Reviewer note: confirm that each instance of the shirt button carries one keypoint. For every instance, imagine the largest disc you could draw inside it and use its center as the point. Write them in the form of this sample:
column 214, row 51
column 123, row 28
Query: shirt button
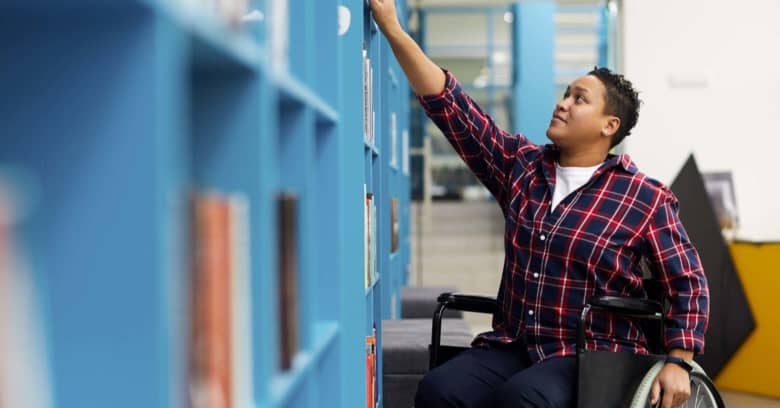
column 543, row 237
column 536, row 274
column 530, row 313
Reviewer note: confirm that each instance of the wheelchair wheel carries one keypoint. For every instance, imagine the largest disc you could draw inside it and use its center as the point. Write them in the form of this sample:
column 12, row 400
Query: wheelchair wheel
column 703, row 392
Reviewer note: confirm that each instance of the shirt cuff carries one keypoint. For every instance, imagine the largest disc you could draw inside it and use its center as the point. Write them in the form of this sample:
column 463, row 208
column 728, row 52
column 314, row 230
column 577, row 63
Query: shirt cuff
column 684, row 339
column 444, row 98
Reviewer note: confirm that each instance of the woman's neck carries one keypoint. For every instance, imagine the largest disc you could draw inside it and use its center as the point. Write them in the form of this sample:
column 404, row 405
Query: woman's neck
column 587, row 158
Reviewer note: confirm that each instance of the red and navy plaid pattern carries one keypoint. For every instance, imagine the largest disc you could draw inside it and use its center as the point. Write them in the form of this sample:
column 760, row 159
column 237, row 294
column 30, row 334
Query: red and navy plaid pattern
column 591, row 244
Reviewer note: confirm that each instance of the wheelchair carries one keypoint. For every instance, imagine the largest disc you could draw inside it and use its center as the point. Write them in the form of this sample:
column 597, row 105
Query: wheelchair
column 604, row 379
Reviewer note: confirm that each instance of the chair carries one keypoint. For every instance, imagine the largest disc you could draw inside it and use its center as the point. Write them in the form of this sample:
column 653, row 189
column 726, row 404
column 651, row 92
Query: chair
column 600, row 373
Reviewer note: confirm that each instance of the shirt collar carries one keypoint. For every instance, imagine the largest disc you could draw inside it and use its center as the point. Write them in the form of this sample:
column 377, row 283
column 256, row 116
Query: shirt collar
column 551, row 153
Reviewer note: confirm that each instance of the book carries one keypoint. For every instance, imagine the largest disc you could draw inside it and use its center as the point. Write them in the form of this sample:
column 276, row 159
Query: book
column 288, row 278
column 366, row 238
column 220, row 298
column 372, row 118
column 371, row 241
column 394, row 224
column 241, row 300
column 393, row 140
column 366, row 98
column 211, row 375
column 371, row 364
column 279, row 34
column 405, row 152
column 373, row 247
column 369, row 113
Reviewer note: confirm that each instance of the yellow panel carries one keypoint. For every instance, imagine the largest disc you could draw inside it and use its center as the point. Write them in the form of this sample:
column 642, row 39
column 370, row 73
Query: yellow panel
column 755, row 368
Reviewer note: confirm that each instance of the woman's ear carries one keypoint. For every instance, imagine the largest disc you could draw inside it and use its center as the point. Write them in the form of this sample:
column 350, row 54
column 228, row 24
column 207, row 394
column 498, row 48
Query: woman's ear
column 610, row 127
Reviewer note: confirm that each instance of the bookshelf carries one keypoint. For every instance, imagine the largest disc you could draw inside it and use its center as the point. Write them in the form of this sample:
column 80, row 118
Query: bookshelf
column 118, row 113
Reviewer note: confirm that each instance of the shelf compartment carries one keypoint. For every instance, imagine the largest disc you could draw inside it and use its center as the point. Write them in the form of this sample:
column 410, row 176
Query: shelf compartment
column 291, row 89
column 284, row 385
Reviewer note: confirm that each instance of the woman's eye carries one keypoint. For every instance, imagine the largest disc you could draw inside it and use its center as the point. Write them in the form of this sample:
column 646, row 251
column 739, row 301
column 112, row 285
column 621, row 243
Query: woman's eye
column 580, row 99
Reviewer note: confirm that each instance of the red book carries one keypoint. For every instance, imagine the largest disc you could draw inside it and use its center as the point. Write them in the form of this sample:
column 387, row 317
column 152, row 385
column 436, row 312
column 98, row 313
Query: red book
column 211, row 370
column 370, row 371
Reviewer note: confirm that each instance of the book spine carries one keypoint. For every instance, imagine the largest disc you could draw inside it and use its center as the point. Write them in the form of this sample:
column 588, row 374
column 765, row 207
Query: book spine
column 241, row 301
column 288, row 279
column 211, row 338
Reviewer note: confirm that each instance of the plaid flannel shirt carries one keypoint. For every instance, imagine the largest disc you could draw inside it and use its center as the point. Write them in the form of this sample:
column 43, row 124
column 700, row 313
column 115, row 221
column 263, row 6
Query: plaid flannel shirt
column 591, row 244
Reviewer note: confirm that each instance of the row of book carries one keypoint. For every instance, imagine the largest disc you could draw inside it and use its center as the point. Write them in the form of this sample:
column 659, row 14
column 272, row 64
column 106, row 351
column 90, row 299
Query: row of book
column 220, row 341
column 369, row 121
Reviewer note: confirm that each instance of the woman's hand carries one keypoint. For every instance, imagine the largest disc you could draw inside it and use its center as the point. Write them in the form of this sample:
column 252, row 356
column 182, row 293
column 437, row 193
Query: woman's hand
column 676, row 385
column 384, row 14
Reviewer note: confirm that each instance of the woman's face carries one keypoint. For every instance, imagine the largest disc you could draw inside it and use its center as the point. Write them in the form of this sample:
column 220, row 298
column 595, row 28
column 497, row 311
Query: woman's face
column 579, row 119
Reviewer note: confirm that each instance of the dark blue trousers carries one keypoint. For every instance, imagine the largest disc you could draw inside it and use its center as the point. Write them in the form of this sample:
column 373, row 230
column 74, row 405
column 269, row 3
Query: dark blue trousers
column 499, row 377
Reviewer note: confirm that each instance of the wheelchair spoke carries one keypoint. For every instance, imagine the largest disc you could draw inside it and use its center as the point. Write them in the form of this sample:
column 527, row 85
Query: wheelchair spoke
column 699, row 400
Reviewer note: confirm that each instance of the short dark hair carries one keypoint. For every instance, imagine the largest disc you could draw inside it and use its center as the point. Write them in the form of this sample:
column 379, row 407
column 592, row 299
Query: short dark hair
column 621, row 100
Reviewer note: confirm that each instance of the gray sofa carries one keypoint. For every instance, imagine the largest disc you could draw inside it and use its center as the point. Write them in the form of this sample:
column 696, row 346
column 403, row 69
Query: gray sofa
column 405, row 343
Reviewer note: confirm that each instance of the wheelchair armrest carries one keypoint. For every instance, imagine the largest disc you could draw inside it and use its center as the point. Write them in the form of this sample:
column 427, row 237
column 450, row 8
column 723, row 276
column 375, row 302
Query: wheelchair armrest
column 468, row 302
column 625, row 306
column 458, row 301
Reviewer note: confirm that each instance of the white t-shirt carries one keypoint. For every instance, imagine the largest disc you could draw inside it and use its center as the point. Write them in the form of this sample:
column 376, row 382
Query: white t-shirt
column 568, row 179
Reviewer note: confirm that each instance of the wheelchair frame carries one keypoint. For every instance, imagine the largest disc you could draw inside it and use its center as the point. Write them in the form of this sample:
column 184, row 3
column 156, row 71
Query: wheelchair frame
column 628, row 370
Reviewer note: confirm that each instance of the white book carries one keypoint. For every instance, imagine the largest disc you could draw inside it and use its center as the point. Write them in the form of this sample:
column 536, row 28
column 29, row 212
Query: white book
column 366, row 107
column 371, row 136
column 366, row 240
column 374, row 269
column 279, row 34
column 405, row 151
column 393, row 140
column 241, row 316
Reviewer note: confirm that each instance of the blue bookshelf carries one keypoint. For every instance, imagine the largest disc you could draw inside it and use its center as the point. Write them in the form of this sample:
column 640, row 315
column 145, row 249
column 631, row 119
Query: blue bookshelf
column 115, row 112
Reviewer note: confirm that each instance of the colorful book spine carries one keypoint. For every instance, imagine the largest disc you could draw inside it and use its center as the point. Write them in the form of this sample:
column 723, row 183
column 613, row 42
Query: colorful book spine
column 371, row 363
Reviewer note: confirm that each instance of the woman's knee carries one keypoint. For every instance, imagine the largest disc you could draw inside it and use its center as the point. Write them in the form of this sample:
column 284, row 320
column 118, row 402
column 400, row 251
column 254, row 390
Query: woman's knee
column 523, row 395
column 527, row 395
column 432, row 391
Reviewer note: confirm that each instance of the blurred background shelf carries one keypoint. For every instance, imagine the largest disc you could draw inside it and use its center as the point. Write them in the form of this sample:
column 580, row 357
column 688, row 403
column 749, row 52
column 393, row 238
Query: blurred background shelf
column 121, row 115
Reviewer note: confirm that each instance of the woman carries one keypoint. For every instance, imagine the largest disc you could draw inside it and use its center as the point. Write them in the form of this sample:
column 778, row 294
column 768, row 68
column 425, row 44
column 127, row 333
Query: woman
column 578, row 222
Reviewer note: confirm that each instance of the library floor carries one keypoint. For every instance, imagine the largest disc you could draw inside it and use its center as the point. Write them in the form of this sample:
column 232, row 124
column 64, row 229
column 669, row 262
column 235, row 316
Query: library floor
column 461, row 244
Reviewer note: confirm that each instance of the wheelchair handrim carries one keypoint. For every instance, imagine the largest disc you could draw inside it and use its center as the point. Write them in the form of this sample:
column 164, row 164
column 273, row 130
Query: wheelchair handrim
column 702, row 393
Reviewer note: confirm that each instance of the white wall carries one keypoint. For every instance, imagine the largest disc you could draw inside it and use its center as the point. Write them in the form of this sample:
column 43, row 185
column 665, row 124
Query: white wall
column 709, row 74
